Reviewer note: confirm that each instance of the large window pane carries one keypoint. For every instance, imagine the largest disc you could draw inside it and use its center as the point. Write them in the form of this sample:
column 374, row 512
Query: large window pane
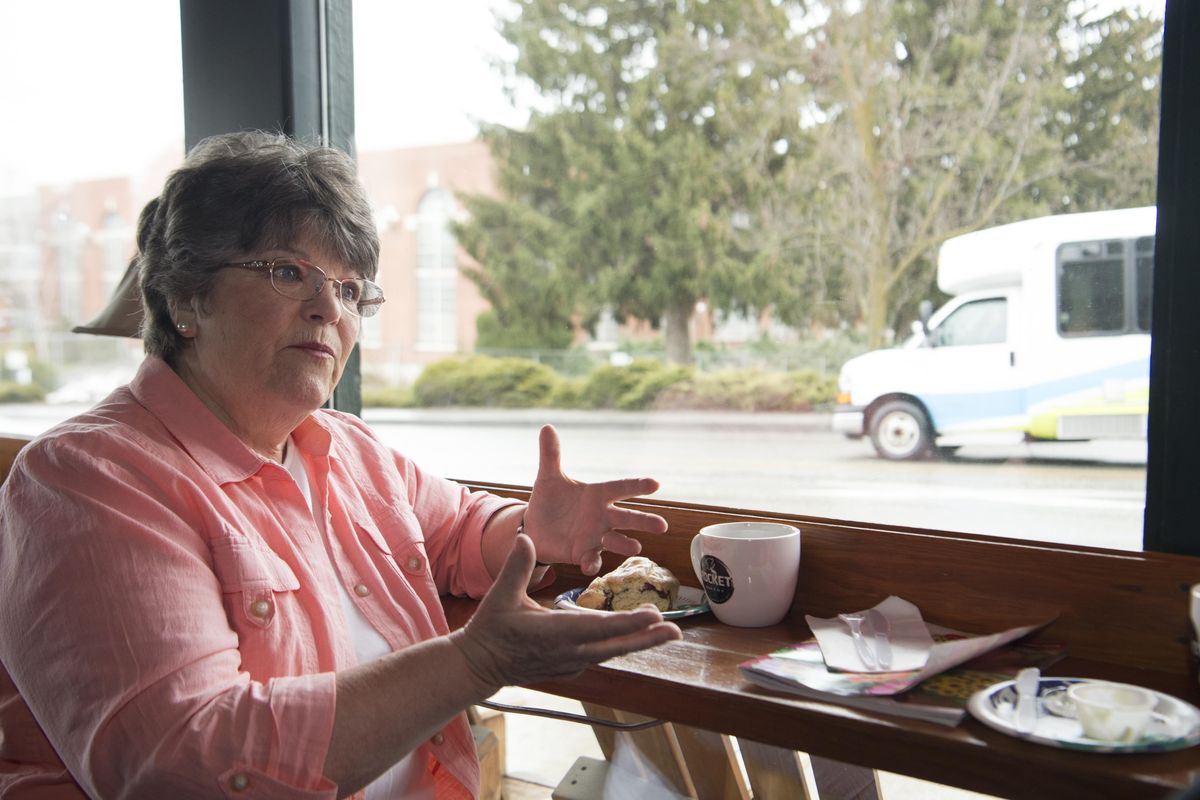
column 685, row 220
column 93, row 122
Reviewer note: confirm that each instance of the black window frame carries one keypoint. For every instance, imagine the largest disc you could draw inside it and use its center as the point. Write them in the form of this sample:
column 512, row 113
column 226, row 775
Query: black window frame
column 288, row 64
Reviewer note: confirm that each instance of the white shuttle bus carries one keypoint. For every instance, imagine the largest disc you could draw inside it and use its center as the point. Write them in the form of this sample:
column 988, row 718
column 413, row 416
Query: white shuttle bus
column 1046, row 337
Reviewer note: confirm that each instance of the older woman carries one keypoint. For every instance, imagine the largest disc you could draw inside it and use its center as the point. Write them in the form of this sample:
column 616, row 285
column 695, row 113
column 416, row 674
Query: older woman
column 208, row 586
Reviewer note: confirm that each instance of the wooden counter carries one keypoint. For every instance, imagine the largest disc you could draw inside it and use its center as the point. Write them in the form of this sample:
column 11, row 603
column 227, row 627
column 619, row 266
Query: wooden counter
column 1122, row 615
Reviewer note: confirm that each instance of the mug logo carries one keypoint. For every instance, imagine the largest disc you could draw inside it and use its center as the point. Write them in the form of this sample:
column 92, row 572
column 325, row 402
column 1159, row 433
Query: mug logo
column 718, row 585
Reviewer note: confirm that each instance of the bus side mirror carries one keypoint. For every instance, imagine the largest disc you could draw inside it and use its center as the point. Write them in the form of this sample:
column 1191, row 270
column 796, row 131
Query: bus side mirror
column 921, row 326
column 925, row 311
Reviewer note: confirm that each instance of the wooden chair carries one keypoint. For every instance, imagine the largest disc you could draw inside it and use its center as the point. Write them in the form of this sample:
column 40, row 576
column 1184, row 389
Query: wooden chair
column 9, row 447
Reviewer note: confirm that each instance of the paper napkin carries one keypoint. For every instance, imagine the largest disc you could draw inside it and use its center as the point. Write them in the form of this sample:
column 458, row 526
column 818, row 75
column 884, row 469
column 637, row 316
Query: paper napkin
column 909, row 637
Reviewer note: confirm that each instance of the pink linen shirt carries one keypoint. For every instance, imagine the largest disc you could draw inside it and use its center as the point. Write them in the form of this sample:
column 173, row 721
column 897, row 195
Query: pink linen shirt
column 169, row 612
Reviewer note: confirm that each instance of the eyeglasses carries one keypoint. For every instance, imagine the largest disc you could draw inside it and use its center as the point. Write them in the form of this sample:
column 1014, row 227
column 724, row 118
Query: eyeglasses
column 302, row 280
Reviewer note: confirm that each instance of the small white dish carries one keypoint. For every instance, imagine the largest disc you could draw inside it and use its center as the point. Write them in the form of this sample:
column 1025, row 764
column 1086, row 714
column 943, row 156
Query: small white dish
column 1112, row 712
column 688, row 602
column 1174, row 725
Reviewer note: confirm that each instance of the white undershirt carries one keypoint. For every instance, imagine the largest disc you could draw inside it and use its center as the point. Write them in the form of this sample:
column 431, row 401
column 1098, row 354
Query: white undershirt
column 408, row 778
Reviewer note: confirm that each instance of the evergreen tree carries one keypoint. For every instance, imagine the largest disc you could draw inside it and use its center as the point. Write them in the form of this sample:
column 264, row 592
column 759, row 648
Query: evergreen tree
column 807, row 157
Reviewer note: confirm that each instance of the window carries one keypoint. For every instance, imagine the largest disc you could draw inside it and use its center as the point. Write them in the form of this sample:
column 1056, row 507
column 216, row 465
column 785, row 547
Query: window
column 1105, row 287
column 437, row 274
column 89, row 139
column 602, row 214
column 980, row 322
column 1144, row 277
column 781, row 466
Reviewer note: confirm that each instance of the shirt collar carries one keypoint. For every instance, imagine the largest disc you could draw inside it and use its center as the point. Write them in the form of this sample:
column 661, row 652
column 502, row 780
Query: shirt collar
column 220, row 453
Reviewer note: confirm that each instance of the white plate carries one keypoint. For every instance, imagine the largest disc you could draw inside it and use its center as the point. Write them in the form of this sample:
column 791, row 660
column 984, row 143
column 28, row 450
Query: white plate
column 1176, row 724
column 688, row 602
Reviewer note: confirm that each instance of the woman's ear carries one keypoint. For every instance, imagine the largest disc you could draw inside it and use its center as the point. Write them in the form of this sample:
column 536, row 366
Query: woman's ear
column 183, row 318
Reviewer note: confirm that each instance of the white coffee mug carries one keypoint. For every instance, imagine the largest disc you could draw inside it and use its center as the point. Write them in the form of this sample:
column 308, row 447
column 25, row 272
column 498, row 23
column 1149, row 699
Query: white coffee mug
column 748, row 570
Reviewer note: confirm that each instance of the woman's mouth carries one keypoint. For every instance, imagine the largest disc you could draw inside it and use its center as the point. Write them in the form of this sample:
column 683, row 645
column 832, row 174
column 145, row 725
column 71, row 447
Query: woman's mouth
column 317, row 349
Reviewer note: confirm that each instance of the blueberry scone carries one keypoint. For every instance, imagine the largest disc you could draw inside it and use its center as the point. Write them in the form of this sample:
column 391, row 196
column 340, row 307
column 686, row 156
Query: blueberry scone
column 636, row 582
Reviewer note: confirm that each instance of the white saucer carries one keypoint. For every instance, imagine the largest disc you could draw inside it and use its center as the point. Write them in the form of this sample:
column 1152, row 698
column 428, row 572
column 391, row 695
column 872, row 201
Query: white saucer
column 688, row 602
column 1176, row 724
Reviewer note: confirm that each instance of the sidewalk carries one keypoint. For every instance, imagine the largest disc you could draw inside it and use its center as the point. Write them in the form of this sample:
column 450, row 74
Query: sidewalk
column 33, row 418
column 561, row 417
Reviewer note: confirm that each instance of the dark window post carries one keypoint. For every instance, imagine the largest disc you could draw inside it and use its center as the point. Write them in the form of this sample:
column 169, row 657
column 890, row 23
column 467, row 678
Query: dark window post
column 284, row 65
column 1173, row 470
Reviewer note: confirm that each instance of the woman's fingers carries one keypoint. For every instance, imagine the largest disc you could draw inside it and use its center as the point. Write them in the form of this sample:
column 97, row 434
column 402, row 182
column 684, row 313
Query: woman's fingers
column 620, row 544
column 659, row 633
column 590, row 562
column 581, row 638
column 511, row 583
column 630, row 520
column 549, row 453
column 624, row 488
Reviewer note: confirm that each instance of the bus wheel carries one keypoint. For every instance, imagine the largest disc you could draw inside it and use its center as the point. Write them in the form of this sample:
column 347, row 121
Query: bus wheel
column 900, row 431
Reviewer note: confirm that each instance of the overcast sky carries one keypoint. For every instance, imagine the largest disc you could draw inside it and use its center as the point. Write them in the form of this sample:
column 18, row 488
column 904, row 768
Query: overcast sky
column 92, row 89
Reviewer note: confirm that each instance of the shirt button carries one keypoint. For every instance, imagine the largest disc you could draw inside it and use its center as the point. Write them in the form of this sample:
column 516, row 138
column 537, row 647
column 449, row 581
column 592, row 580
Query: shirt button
column 361, row 589
column 438, row 738
column 239, row 782
column 259, row 608
column 413, row 564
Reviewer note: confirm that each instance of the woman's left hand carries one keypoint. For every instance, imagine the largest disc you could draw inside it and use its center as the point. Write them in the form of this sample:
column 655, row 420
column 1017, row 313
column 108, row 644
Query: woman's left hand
column 573, row 522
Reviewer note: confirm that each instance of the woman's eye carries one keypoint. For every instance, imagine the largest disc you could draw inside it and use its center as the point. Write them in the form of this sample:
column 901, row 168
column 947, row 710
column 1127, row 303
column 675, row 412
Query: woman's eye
column 289, row 273
column 351, row 291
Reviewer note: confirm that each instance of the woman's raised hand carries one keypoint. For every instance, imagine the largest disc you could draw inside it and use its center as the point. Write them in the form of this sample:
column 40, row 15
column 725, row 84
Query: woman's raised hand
column 572, row 522
column 511, row 640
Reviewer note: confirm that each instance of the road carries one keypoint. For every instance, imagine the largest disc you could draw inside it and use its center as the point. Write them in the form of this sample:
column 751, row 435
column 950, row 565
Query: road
column 1074, row 493
column 1090, row 494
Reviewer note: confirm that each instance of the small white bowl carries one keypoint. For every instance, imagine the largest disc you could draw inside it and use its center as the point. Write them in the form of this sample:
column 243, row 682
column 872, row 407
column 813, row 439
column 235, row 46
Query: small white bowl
column 1112, row 712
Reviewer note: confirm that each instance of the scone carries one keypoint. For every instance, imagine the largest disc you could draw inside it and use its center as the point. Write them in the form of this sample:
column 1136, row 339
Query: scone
column 636, row 582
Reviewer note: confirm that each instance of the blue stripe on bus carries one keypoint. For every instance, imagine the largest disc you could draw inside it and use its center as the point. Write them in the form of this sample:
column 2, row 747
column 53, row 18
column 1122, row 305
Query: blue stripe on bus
column 955, row 409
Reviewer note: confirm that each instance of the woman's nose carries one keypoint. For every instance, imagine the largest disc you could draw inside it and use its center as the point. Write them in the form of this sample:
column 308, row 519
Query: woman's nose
column 326, row 306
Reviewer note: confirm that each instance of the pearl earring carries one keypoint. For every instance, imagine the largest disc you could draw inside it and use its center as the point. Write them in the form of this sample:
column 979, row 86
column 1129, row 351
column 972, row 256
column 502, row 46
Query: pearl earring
column 183, row 326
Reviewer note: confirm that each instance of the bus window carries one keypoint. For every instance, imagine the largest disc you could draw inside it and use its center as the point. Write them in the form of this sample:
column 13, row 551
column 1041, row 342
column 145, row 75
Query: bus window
column 978, row 322
column 1144, row 275
column 1091, row 289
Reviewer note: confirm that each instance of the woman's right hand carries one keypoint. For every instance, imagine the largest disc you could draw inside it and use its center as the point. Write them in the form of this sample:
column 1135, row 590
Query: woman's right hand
column 511, row 640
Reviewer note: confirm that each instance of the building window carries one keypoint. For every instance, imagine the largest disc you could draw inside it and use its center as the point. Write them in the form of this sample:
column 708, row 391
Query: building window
column 437, row 274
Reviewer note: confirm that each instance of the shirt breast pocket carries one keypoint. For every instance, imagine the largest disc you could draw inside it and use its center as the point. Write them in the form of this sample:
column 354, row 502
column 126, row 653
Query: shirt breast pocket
column 398, row 536
column 251, row 575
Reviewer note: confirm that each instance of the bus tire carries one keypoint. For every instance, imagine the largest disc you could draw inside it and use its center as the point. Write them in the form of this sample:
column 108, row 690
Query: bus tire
column 900, row 431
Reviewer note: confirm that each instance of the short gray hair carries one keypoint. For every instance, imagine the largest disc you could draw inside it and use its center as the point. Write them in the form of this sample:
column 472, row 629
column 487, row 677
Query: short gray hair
column 239, row 193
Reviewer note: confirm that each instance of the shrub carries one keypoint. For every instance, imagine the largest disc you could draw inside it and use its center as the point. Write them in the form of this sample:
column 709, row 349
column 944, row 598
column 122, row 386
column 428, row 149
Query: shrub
column 480, row 381
column 21, row 393
column 645, row 383
column 567, row 394
column 606, row 385
column 645, row 392
column 388, row 397
column 813, row 389
column 750, row 390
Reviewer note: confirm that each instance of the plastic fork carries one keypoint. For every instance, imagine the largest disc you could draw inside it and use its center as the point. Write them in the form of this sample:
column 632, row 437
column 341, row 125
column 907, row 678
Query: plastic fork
column 879, row 625
column 854, row 623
